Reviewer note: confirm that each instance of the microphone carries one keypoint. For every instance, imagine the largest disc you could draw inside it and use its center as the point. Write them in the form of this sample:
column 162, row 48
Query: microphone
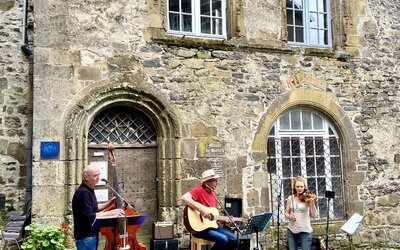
column 105, row 180
column 207, row 186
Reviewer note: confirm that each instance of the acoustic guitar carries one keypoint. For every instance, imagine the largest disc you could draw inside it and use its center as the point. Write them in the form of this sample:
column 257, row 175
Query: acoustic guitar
column 196, row 223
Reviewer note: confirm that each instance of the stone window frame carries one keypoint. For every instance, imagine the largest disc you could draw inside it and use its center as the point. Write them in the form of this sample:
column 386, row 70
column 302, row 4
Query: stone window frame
column 345, row 15
column 158, row 19
column 196, row 23
column 350, row 148
column 325, row 135
column 306, row 14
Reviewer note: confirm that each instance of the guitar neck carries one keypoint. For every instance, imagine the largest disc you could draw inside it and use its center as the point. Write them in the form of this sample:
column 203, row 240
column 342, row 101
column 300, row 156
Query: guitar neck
column 224, row 218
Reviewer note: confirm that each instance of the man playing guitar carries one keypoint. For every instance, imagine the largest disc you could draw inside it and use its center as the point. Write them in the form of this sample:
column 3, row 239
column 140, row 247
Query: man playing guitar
column 202, row 199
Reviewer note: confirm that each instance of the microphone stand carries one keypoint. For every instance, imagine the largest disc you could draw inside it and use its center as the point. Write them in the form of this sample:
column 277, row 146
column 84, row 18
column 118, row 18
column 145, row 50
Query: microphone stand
column 126, row 205
column 223, row 208
column 279, row 212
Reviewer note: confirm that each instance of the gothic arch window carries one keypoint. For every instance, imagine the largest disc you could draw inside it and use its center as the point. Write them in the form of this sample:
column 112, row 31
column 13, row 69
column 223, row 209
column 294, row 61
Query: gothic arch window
column 122, row 125
column 303, row 142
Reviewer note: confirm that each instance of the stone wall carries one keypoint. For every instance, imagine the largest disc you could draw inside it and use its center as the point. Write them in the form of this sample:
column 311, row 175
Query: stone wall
column 209, row 98
column 14, row 76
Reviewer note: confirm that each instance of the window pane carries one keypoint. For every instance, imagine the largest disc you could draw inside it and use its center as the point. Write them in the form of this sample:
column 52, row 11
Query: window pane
column 319, row 146
column 299, row 35
column 271, row 146
column 286, row 168
column 323, row 37
column 285, row 147
column 323, row 21
column 174, row 5
column 205, row 7
column 310, row 166
column 335, row 165
column 289, row 16
column 298, row 4
column 296, row 166
column 289, row 3
column 174, row 22
column 312, row 5
column 217, row 26
column 333, row 146
column 336, row 186
column 313, row 36
column 298, row 15
column 186, row 6
column 312, row 184
column 217, row 8
column 306, row 117
column 320, row 161
column 295, row 120
column 322, row 6
column 272, row 131
column 313, row 20
column 317, row 122
column 337, row 207
column 187, row 23
column 291, row 33
column 309, row 145
column 295, row 146
column 205, row 25
column 284, row 121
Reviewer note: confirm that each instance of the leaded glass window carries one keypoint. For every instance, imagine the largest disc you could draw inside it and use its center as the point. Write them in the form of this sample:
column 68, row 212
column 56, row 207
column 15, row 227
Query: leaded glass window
column 122, row 125
column 303, row 142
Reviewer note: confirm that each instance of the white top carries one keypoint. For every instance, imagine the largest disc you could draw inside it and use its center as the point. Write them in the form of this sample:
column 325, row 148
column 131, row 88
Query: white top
column 302, row 212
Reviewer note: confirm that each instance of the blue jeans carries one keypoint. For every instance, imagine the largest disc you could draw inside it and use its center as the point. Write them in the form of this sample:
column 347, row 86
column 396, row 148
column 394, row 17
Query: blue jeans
column 88, row 243
column 305, row 240
column 223, row 238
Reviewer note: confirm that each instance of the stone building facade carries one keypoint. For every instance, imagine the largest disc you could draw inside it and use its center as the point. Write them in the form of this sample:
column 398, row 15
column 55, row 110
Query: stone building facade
column 211, row 101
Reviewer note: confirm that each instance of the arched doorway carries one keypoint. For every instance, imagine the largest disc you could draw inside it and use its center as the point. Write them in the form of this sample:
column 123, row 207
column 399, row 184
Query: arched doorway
column 135, row 140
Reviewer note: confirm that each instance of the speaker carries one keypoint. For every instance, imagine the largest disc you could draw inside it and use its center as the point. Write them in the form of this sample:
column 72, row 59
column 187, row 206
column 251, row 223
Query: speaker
column 244, row 244
column 166, row 244
column 234, row 206
column 163, row 230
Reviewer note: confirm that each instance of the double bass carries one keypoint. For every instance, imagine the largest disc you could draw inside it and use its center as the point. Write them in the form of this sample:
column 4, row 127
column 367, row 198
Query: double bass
column 122, row 236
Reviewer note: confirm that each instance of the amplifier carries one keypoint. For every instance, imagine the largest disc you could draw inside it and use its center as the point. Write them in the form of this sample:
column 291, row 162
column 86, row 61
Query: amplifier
column 166, row 244
column 163, row 230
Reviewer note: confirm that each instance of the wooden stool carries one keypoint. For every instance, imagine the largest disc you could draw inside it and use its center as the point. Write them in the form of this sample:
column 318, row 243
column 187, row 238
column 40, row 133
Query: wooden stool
column 200, row 244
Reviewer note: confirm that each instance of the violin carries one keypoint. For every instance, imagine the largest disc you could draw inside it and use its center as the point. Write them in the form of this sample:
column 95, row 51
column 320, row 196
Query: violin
column 307, row 195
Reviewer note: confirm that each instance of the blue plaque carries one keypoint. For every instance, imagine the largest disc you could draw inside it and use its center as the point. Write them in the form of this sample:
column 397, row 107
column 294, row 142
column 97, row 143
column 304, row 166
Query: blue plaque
column 49, row 150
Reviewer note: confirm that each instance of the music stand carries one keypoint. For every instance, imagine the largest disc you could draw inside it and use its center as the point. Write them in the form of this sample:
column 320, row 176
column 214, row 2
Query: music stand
column 256, row 224
column 351, row 226
column 114, row 221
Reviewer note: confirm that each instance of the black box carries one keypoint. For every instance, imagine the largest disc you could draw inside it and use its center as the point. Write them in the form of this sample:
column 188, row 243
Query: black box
column 170, row 244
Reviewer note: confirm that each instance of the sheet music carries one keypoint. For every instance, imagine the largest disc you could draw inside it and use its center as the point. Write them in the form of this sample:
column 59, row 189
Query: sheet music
column 352, row 224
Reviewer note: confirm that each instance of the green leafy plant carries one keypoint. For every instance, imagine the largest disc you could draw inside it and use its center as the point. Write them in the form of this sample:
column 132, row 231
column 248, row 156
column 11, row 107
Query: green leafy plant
column 46, row 237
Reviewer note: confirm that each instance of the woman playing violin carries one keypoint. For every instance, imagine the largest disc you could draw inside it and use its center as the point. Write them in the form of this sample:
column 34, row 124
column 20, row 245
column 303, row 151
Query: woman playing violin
column 299, row 206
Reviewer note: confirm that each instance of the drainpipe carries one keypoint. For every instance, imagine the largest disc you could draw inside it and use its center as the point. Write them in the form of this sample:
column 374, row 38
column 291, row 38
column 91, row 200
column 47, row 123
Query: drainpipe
column 29, row 53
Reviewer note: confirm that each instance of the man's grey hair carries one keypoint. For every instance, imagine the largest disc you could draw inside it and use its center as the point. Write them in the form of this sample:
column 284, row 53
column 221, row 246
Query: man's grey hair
column 87, row 169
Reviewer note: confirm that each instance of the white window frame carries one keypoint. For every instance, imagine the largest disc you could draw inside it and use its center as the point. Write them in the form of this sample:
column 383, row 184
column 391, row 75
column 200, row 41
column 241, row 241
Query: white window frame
column 196, row 21
column 307, row 29
column 301, row 134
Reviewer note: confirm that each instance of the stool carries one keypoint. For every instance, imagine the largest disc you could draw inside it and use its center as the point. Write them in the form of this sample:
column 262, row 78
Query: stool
column 200, row 244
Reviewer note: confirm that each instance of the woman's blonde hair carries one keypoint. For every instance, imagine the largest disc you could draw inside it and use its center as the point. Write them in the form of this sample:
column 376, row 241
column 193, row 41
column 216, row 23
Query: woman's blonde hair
column 296, row 179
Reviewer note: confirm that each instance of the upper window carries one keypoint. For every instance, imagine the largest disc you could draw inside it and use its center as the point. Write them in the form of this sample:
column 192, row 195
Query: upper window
column 303, row 142
column 309, row 22
column 204, row 18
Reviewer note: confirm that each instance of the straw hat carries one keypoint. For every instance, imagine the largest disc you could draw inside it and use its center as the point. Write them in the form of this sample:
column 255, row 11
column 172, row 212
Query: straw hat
column 208, row 175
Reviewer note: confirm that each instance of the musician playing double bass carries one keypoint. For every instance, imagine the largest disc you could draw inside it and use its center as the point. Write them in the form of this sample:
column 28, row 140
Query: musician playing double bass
column 86, row 209
column 202, row 197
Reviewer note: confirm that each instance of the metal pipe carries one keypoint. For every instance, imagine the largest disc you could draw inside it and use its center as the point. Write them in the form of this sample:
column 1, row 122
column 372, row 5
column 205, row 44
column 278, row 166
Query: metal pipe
column 29, row 53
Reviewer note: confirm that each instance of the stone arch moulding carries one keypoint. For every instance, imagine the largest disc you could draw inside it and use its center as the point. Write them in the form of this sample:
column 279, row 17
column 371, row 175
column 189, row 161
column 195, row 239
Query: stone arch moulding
column 165, row 119
column 320, row 101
